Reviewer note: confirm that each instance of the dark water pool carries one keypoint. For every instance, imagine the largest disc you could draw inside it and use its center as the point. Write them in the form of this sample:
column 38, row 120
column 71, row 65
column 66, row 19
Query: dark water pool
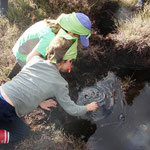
column 132, row 134
column 112, row 133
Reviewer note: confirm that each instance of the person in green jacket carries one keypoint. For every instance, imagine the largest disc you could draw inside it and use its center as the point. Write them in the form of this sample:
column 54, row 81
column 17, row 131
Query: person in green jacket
column 35, row 40
column 38, row 82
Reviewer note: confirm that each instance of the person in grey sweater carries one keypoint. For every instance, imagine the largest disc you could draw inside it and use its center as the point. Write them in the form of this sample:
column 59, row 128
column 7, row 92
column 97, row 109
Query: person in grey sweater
column 37, row 82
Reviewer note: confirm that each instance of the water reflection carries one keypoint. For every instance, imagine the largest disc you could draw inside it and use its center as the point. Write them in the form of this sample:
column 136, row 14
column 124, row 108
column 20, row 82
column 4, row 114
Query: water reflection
column 132, row 134
column 107, row 92
column 114, row 131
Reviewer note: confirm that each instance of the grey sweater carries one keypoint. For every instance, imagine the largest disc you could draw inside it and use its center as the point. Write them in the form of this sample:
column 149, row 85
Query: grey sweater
column 40, row 80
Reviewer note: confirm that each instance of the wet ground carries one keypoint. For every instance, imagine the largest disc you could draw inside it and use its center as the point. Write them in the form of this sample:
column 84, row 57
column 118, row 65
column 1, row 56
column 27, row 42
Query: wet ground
column 131, row 133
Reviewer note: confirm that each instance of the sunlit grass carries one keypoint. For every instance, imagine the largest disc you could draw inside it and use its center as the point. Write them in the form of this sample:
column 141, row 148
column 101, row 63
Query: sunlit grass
column 136, row 29
column 127, row 3
column 8, row 36
column 22, row 14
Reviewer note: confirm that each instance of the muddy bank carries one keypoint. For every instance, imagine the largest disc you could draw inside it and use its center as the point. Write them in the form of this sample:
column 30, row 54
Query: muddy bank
column 105, row 47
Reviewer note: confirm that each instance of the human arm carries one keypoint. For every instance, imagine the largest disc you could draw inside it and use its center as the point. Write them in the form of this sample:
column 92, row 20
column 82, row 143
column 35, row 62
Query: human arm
column 48, row 103
column 41, row 47
column 69, row 106
column 32, row 54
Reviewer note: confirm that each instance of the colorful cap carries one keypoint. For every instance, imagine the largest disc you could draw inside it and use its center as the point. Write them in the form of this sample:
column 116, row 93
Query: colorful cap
column 85, row 21
column 77, row 23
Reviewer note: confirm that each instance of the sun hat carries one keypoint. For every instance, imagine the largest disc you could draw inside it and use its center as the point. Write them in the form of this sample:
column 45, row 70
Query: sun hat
column 85, row 21
column 77, row 23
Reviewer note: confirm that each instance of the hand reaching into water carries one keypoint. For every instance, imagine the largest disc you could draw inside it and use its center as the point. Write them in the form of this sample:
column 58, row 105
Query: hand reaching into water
column 48, row 103
column 92, row 106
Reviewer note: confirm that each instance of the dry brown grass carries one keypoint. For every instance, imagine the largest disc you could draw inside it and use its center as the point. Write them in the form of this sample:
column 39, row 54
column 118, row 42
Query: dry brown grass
column 127, row 3
column 8, row 36
column 21, row 14
column 49, row 138
column 136, row 29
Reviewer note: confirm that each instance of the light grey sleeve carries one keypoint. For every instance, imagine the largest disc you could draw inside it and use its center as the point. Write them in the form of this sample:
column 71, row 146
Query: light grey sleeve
column 63, row 98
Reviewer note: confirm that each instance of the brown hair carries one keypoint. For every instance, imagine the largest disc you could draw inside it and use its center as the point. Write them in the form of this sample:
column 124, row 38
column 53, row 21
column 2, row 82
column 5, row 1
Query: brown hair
column 58, row 47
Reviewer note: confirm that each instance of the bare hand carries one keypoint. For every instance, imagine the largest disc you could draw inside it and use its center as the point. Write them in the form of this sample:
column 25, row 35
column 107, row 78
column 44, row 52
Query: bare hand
column 92, row 106
column 48, row 103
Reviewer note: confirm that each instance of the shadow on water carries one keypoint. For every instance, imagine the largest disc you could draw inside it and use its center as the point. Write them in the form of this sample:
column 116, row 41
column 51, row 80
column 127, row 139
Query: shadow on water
column 133, row 134
column 112, row 133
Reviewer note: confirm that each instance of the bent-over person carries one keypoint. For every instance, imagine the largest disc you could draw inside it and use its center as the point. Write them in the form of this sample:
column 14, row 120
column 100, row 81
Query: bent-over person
column 34, row 85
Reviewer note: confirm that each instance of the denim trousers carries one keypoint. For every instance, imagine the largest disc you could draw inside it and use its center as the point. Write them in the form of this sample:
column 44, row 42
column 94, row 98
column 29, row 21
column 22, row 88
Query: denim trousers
column 11, row 122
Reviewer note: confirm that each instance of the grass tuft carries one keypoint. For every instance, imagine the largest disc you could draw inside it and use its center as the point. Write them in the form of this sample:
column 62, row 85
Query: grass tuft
column 135, row 29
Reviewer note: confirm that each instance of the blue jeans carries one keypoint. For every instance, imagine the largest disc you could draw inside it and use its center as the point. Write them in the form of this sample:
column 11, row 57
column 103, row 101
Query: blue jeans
column 11, row 122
